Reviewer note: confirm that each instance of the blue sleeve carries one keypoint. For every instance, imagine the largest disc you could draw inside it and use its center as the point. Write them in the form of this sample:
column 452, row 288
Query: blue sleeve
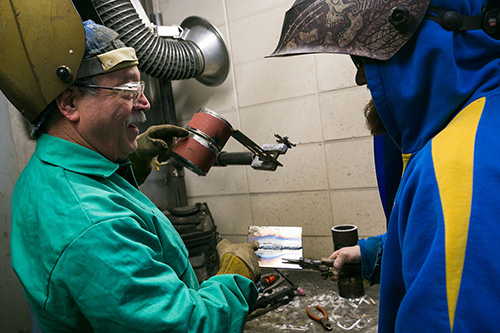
column 371, row 256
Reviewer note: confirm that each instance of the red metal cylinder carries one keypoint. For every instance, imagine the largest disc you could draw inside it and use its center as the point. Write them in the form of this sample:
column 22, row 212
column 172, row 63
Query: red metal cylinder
column 214, row 127
column 208, row 133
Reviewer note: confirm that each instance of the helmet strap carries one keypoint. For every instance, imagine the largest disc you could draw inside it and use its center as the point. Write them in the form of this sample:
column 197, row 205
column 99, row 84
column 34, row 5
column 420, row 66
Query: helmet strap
column 450, row 20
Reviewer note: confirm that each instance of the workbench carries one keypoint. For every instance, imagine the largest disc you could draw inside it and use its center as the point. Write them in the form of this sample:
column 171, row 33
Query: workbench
column 354, row 315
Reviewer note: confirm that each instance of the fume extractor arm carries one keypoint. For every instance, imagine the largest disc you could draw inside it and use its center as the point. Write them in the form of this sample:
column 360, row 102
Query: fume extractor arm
column 195, row 49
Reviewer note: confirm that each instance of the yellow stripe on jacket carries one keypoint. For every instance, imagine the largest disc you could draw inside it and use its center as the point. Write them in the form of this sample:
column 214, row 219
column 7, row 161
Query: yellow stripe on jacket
column 455, row 188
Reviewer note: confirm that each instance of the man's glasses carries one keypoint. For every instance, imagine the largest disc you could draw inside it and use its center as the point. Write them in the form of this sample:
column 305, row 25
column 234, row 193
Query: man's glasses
column 131, row 90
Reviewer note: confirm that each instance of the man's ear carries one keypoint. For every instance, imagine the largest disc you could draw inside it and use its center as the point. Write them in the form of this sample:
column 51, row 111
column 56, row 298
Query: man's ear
column 67, row 104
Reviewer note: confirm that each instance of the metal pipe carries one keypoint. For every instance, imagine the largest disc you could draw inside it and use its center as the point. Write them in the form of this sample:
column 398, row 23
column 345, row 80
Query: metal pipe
column 237, row 158
column 350, row 281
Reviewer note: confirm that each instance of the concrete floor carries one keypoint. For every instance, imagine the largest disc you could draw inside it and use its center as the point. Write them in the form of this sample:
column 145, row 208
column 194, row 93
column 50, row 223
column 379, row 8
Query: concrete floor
column 355, row 315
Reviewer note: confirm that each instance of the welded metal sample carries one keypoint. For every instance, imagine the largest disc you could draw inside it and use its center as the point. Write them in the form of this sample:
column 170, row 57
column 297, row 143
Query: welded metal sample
column 276, row 243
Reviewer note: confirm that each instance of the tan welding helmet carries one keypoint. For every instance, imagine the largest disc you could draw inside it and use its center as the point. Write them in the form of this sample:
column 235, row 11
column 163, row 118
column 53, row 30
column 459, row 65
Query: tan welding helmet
column 42, row 45
column 370, row 28
column 45, row 47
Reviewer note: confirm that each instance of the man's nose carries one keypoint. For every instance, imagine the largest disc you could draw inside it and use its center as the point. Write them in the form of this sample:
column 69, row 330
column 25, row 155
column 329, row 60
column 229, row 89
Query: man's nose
column 142, row 103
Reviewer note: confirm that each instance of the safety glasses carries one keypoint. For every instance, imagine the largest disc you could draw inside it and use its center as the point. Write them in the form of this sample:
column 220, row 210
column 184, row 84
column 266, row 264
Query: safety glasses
column 130, row 90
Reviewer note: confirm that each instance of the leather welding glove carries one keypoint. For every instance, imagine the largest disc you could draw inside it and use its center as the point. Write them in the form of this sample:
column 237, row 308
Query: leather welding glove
column 155, row 141
column 239, row 258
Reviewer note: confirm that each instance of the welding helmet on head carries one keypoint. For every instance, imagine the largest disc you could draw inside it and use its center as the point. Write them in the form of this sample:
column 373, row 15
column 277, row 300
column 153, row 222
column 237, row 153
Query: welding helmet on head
column 43, row 44
column 370, row 28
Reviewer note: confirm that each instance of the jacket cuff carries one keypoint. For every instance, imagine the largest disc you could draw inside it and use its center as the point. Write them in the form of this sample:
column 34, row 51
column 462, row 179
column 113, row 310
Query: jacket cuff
column 371, row 257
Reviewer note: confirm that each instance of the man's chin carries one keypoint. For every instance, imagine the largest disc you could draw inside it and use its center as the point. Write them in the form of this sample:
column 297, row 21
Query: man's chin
column 373, row 121
column 131, row 145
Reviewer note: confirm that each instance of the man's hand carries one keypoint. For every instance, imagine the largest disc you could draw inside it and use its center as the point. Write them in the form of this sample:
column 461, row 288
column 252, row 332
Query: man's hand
column 158, row 141
column 239, row 259
column 155, row 141
column 345, row 255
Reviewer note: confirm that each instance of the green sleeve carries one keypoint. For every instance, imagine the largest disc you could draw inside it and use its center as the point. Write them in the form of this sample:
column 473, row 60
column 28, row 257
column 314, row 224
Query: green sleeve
column 122, row 278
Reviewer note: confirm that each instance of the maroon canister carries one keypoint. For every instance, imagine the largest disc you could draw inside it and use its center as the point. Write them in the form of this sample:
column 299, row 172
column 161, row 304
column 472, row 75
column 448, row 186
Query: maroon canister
column 208, row 133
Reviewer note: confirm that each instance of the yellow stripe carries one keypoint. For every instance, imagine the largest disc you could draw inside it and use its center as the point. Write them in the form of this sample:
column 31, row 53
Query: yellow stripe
column 455, row 188
column 406, row 158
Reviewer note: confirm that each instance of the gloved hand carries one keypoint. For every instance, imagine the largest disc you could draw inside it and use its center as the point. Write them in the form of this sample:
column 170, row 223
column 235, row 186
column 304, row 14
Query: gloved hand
column 155, row 141
column 239, row 259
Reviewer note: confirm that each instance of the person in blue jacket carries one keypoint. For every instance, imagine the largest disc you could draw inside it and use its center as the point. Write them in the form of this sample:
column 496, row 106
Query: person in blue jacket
column 433, row 71
column 92, row 252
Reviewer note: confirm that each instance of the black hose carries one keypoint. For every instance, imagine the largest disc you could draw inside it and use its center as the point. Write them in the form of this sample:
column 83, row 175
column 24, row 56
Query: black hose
column 160, row 58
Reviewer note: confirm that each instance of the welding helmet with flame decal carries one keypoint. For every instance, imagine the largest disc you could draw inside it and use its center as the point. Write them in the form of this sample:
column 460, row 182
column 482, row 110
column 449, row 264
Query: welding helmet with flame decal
column 45, row 48
column 366, row 28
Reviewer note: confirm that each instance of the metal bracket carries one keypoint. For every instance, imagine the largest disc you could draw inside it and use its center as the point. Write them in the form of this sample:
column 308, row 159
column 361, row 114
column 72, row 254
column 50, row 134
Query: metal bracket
column 265, row 157
column 169, row 31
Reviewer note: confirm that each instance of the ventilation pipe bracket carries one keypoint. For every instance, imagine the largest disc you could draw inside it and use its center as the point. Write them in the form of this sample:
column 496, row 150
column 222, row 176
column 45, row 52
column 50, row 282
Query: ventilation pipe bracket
column 169, row 31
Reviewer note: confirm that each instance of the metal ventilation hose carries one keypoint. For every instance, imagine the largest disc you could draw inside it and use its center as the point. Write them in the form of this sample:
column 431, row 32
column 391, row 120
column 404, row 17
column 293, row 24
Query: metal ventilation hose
column 160, row 58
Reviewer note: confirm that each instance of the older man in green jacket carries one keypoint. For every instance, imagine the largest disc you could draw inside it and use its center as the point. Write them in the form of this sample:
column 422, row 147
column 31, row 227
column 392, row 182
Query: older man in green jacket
column 91, row 251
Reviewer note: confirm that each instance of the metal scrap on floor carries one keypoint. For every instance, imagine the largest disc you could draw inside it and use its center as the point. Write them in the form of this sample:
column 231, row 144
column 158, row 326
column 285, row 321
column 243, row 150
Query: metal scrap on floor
column 289, row 315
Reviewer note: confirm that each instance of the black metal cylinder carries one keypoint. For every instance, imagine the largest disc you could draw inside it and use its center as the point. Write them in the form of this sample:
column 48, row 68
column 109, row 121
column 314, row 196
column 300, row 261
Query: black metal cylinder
column 350, row 281
column 235, row 158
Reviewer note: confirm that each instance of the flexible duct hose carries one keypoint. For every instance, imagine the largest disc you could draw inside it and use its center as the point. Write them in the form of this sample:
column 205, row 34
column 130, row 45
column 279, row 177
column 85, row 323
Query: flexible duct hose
column 160, row 58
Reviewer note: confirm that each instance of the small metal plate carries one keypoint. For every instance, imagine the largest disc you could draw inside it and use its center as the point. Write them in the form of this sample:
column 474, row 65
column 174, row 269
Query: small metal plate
column 276, row 243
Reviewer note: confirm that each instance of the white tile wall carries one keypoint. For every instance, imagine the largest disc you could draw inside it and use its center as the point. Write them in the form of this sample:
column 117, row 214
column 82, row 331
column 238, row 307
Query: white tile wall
column 280, row 209
column 253, row 37
column 238, row 9
column 350, row 164
column 361, row 207
column 191, row 95
column 342, row 113
column 304, row 169
column 262, row 121
column 334, row 71
column 318, row 246
column 329, row 178
column 174, row 12
column 274, row 79
column 24, row 145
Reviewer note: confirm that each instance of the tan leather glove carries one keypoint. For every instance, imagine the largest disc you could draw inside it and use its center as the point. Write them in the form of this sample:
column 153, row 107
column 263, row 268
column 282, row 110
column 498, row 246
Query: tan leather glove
column 239, row 258
column 155, row 141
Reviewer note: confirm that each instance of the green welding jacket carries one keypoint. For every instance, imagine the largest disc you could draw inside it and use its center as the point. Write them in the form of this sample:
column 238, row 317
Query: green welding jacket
column 94, row 254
